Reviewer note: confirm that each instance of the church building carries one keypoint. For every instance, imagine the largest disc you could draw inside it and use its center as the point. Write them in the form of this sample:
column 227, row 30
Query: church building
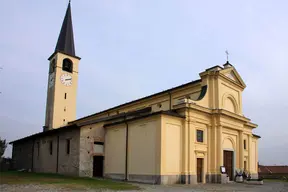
column 192, row 133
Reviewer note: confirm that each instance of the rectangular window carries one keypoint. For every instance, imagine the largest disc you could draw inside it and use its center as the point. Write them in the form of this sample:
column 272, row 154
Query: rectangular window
column 65, row 96
column 200, row 136
column 245, row 165
column 68, row 146
column 98, row 147
column 244, row 143
column 50, row 147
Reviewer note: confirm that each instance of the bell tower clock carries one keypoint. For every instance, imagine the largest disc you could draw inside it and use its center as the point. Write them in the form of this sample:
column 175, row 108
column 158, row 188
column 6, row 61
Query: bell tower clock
column 62, row 78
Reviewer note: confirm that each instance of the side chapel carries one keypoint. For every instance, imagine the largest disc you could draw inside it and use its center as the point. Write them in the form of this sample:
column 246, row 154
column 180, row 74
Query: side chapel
column 180, row 135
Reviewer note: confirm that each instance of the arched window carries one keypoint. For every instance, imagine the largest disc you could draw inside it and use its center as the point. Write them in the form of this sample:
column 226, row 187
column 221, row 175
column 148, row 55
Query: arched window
column 52, row 66
column 67, row 65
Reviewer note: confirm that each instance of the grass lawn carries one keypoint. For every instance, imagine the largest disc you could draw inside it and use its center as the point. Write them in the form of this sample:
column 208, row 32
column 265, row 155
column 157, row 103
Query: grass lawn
column 275, row 180
column 12, row 177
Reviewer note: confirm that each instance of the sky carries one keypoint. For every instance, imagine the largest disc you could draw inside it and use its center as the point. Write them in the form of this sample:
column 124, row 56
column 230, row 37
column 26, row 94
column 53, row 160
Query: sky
column 134, row 48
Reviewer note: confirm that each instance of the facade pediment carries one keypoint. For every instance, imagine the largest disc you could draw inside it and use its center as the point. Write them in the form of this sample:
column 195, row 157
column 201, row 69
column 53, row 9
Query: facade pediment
column 232, row 74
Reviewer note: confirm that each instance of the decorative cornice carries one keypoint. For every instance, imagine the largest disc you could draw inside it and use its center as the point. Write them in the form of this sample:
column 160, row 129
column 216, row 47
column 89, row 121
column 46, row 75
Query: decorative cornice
column 221, row 112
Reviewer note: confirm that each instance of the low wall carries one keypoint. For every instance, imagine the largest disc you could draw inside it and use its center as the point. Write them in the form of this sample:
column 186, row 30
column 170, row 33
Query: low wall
column 273, row 176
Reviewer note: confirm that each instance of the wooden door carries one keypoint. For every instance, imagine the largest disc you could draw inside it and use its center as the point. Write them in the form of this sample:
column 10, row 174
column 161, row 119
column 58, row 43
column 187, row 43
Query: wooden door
column 228, row 163
column 199, row 170
column 98, row 166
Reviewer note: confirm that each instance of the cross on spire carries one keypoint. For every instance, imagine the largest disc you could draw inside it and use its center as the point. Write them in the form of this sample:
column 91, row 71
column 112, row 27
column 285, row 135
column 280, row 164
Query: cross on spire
column 227, row 55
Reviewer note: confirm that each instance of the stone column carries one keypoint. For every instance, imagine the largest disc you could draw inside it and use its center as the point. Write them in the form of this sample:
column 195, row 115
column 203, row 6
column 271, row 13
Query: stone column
column 185, row 158
column 219, row 152
column 213, row 152
column 209, row 139
column 192, row 155
column 219, row 148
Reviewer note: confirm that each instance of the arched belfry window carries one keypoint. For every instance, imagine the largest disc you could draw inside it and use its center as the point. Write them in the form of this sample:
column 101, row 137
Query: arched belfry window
column 67, row 65
column 52, row 66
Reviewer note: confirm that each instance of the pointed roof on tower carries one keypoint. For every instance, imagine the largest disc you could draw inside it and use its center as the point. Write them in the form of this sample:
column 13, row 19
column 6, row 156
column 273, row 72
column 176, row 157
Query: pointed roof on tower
column 65, row 43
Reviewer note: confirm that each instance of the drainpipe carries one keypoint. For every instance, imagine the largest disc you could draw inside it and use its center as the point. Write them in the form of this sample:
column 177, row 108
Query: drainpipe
column 126, row 152
column 57, row 156
column 32, row 162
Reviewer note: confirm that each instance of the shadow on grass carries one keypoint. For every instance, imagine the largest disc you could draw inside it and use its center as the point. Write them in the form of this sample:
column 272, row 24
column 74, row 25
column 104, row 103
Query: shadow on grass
column 13, row 177
column 275, row 180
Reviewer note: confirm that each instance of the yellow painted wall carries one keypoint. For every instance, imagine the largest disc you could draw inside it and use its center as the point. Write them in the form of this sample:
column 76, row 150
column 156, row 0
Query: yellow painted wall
column 142, row 149
column 115, row 150
column 225, row 131
column 254, row 157
column 171, row 145
column 230, row 98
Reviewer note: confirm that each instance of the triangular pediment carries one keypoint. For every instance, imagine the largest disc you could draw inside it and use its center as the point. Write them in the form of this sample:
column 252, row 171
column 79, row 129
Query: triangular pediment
column 233, row 75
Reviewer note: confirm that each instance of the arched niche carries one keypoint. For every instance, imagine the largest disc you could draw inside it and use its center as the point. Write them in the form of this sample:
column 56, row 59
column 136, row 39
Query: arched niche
column 229, row 103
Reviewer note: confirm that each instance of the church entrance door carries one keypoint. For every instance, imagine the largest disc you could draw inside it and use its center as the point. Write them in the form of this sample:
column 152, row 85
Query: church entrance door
column 98, row 166
column 199, row 170
column 228, row 163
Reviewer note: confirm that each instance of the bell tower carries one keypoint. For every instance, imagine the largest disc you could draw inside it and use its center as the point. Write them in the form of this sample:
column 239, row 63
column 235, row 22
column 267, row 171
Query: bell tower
column 62, row 78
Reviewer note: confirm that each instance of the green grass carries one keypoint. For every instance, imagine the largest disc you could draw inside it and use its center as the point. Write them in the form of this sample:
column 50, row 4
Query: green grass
column 70, row 182
column 275, row 180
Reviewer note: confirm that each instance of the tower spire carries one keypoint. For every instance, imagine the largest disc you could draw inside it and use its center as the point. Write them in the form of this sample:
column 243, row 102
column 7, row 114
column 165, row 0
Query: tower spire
column 65, row 43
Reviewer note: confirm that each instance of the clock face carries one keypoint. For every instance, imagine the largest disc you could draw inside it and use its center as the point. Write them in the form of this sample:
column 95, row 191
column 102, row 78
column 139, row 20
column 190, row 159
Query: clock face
column 51, row 80
column 66, row 79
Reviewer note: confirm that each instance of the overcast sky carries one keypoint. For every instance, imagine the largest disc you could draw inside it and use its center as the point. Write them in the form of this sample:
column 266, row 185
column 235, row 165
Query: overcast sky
column 134, row 48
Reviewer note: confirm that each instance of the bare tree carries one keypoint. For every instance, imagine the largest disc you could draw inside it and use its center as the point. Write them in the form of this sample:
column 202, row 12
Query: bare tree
column 3, row 146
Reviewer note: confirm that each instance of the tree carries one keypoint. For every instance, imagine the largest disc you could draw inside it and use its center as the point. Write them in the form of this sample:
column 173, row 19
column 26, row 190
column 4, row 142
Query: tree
column 3, row 146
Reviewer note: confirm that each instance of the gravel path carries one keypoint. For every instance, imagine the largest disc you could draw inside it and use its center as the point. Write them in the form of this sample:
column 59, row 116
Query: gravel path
column 235, row 187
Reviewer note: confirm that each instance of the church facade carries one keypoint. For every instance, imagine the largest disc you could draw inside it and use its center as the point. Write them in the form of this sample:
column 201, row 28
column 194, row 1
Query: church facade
column 185, row 134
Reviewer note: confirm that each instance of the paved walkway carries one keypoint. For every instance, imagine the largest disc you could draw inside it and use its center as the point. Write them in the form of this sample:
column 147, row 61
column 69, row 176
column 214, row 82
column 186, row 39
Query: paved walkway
column 233, row 187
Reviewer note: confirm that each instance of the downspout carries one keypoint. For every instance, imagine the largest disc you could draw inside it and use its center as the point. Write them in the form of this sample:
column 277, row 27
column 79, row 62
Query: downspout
column 170, row 100
column 126, row 152
column 57, row 161
column 32, row 162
